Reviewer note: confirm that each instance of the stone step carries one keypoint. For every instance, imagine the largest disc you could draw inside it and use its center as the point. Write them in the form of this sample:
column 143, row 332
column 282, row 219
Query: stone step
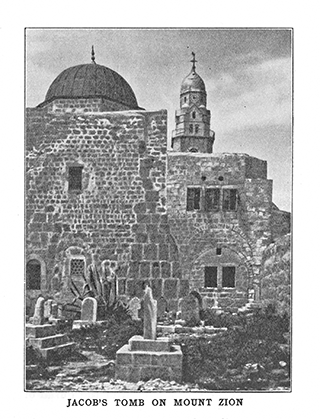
column 57, row 352
column 48, row 341
column 40, row 331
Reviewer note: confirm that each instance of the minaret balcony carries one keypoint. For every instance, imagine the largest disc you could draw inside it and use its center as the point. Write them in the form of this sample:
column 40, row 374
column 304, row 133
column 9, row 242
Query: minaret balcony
column 182, row 133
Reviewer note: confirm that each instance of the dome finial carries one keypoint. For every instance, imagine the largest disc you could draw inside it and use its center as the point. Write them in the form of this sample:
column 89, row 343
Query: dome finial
column 194, row 61
column 93, row 55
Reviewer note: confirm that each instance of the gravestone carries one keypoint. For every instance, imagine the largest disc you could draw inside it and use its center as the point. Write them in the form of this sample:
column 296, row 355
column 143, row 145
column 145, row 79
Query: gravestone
column 54, row 310
column 189, row 308
column 134, row 307
column 161, row 307
column 38, row 317
column 150, row 315
column 48, row 309
column 89, row 309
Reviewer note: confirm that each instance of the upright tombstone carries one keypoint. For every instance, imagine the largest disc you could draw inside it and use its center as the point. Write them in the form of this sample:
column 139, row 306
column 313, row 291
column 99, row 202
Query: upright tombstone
column 189, row 308
column 150, row 315
column 54, row 310
column 161, row 307
column 134, row 307
column 89, row 309
column 38, row 317
column 48, row 309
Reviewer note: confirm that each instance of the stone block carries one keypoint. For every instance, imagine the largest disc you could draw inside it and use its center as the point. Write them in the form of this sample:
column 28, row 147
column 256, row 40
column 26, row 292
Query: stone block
column 57, row 352
column 141, row 358
column 138, row 343
column 163, row 251
column 145, row 270
column 126, row 373
column 150, row 251
column 170, row 288
column 39, row 331
column 136, row 252
column 165, row 270
column 150, row 372
column 124, row 356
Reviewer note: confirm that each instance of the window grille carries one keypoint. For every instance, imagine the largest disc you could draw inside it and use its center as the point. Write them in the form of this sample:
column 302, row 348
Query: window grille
column 77, row 267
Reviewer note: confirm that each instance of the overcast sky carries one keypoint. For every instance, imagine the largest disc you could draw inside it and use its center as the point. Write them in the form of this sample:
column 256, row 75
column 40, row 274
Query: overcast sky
column 247, row 74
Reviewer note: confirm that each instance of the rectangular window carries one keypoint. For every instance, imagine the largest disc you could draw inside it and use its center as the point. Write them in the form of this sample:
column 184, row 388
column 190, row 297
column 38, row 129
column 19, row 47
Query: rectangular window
column 77, row 267
column 196, row 128
column 193, row 199
column 75, row 178
column 210, row 276
column 228, row 276
column 229, row 200
column 190, row 128
column 212, row 199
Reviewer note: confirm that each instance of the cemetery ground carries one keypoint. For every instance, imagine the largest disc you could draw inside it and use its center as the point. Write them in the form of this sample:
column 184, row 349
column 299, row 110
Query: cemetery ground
column 252, row 353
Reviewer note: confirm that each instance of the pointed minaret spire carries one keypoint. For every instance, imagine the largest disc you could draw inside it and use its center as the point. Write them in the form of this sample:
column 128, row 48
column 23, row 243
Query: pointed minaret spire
column 194, row 61
column 93, row 55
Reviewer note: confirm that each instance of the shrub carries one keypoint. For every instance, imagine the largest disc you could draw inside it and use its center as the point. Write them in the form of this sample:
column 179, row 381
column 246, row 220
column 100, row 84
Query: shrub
column 241, row 358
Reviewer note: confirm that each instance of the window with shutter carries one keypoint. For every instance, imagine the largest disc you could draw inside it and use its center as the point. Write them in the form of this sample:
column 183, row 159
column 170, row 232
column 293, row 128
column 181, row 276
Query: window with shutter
column 210, row 276
column 212, row 199
column 193, row 199
column 228, row 276
column 229, row 200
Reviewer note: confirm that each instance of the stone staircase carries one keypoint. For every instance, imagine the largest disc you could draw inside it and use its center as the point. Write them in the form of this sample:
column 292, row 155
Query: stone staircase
column 50, row 344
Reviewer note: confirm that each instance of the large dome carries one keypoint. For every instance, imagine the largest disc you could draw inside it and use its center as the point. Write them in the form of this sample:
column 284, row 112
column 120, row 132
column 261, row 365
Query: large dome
column 193, row 82
column 89, row 81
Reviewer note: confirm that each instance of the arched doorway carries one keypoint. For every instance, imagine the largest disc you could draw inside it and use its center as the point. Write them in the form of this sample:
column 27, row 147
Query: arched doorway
column 33, row 275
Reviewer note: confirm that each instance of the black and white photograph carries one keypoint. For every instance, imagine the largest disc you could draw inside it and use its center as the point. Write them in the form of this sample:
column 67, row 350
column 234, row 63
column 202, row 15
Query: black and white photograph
column 158, row 208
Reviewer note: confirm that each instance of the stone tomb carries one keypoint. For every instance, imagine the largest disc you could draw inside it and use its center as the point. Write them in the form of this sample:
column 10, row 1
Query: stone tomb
column 50, row 344
column 148, row 357
column 189, row 309
column 38, row 316
column 134, row 307
column 89, row 309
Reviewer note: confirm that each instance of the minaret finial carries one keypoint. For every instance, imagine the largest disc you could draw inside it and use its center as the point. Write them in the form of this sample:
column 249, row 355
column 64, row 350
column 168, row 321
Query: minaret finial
column 194, row 61
column 93, row 55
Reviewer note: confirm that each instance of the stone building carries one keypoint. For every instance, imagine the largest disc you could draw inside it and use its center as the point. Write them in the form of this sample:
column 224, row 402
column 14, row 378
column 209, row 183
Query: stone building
column 102, row 189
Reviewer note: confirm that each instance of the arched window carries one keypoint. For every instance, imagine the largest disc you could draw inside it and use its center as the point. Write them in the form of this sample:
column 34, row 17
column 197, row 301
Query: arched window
column 190, row 128
column 196, row 128
column 185, row 99
column 33, row 276
column 194, row 115
column 193, row 150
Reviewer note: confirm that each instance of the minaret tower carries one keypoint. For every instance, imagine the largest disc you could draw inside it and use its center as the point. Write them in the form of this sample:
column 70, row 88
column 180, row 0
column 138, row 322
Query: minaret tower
column 192, row 133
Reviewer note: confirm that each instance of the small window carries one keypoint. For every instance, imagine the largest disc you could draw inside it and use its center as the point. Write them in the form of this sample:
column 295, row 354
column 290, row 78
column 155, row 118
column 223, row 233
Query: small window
column 193, row 199
column 196, row 128
column 190, row 128
column 229, row 199
column 75, row 178
column 219, row 251
column 77, row 267
column 33, row 276
column 212, row 199
column 193, row 150
column 228, row 276
column 185, row 99
column 210, row 276
column 194, row 115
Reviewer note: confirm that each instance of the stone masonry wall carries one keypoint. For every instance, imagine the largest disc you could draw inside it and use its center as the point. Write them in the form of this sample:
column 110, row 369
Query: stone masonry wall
column 119, row 219
column 245, row 232
column 275, row 275
column 83, row 105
